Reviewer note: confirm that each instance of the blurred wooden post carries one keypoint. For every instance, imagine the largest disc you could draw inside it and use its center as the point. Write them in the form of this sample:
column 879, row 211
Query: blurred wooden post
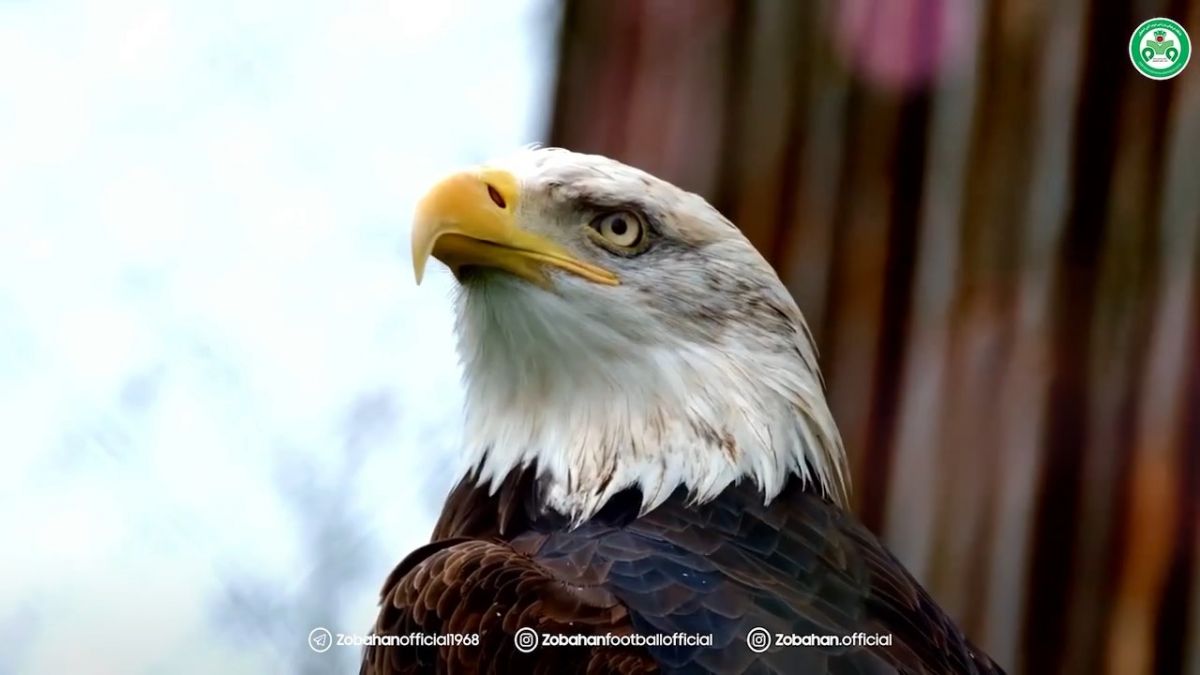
column 990, row 220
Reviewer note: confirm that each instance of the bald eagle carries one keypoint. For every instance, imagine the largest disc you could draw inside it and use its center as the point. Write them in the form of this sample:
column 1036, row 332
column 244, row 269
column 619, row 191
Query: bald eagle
column 651, row 468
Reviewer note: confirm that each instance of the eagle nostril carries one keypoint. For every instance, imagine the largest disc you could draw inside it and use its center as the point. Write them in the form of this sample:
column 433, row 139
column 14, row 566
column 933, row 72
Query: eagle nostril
column 497, row 198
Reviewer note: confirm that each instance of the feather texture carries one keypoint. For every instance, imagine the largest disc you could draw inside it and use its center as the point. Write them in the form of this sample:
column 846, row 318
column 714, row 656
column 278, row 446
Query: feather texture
column 697, row 370
column 798, row 565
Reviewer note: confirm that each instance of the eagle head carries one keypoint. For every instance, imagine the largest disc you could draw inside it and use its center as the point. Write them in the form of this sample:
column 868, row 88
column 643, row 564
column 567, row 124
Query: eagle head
column 616, row 331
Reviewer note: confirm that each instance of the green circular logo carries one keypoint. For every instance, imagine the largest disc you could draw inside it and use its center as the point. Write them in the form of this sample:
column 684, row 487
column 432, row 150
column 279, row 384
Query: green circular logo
column 1160, row 48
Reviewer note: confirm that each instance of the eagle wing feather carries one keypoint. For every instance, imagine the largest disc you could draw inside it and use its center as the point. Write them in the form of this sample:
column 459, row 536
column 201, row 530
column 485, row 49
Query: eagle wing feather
column 472, row 587
column 797, row 565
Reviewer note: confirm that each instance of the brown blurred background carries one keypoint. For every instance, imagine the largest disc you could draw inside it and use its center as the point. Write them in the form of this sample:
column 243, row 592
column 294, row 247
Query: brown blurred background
column 991, row 221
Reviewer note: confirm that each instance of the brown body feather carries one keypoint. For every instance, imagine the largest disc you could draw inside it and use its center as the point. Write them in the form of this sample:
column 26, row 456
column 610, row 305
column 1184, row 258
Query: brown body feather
column 500, row 562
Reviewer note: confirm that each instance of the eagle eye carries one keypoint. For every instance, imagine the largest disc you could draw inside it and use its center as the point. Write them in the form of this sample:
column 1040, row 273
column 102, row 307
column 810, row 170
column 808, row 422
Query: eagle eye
column 621, row 229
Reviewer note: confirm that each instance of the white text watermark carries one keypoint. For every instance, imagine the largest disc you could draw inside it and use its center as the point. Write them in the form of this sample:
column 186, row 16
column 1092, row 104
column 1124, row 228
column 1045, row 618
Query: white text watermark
column 321, row 639
column 528, row 639
column 760, row 639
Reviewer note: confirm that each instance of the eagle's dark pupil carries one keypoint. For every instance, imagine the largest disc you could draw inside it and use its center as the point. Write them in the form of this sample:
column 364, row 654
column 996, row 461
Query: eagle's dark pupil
column 619, row 227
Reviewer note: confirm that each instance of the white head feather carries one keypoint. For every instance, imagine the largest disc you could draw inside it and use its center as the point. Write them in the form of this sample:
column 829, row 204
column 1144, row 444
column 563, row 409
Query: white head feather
column 697, row 370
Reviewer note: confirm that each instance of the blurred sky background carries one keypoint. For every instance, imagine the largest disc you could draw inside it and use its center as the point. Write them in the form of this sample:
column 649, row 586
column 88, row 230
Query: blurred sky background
column 228, row 411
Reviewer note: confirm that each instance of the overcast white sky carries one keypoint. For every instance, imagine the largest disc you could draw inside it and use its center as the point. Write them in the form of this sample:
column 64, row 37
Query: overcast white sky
column 222, row 397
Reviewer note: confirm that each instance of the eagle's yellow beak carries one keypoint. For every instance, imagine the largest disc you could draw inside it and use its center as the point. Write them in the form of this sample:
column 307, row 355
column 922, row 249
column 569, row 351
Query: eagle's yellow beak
column 468, row 219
